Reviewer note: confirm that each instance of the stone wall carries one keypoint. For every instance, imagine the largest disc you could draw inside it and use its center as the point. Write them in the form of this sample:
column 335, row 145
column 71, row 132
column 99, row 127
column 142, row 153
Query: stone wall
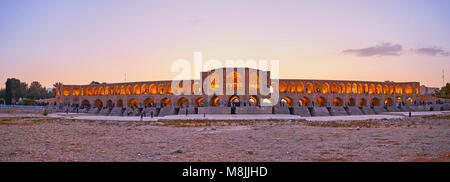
column 354, row 111
column 214, row 110
column 253, row 110
column 321, row 111
column 302, row 111
column 338, row 111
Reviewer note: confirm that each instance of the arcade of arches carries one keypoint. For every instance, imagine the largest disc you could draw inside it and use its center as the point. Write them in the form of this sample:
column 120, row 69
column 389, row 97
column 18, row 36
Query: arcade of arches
column 292, row 92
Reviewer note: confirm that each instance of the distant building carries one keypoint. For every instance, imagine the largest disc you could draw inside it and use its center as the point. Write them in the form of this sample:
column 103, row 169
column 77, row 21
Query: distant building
column 427, row 91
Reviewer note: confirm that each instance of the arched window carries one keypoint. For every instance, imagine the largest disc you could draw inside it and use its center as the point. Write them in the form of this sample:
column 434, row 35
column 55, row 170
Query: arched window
column 326, row 88
column 300, row 87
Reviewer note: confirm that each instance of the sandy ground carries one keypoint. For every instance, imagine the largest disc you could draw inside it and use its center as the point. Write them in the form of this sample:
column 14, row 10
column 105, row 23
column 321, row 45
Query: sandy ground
column 225, row 117
column 246, row 138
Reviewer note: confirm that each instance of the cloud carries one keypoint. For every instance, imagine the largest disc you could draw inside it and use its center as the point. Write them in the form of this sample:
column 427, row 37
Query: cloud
column 385, row 49
column 433, row 51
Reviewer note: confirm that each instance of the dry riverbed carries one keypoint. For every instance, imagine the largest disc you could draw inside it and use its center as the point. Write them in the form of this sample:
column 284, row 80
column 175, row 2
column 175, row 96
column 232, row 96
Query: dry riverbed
column 419, row 138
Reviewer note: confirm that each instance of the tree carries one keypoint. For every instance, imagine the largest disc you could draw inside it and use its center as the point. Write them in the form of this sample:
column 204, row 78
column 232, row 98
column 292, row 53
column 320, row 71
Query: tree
column 14, row 90
column 2, row 93
column 94, row 83
column 443, row 92
column 36, row 91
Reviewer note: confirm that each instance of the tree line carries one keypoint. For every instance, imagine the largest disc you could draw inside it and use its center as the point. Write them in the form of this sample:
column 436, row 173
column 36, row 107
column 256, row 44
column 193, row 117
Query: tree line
column 443, row 92
column 17, row 92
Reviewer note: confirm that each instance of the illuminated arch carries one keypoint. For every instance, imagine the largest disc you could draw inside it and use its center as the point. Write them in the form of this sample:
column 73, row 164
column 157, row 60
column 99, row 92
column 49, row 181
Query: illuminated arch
column 94, row 91
column 128, row 90
column 371, row 88
column 362, row 102
column 152, row 88
column 341, row 88
column 354, row 88
column 165, row 102
column 334, row 88
column 66, row 91
column 326, row 88
column 117, row 90
column 409, row 100
column 351, row 102
column 98, row 103
column 366, row 88
column 215, row 81
column 379, row 89
column 304, row 101
column 101, row 91
column 136, row 89
column 300, row 87
column 234, row 99
column 169, row 88
column 360, row 88
column 76, row 91
column 287, row 100
column 182, row 102
column 291, row 87
column 337, row 102
column 283, row 87
column 133, row 103
column 398, row 89
column 375, row 101
column 199, row 102
column 112, row 91
column 148, row 102
column 309, row 87
column 349, row 88
column 321, row 102
column 389, row 102
column 253, row 100
column 215, row 101
column 144, row 89
column 161, row 89
column 408, row 89
column 391, row 89
column 317, row 87
column 88, row 91
column 122, row 90
column 385, row 89
column 82, row 92
column 106, row 90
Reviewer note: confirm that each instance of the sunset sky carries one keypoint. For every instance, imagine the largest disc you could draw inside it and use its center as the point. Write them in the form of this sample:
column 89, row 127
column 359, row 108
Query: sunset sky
column 76, row 42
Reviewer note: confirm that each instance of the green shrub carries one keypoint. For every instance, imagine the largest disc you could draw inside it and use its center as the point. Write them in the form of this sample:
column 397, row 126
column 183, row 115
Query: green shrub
column 45, row 113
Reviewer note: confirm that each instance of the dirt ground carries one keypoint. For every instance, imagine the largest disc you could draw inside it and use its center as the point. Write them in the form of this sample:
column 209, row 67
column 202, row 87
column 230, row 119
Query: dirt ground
column 419, row 138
